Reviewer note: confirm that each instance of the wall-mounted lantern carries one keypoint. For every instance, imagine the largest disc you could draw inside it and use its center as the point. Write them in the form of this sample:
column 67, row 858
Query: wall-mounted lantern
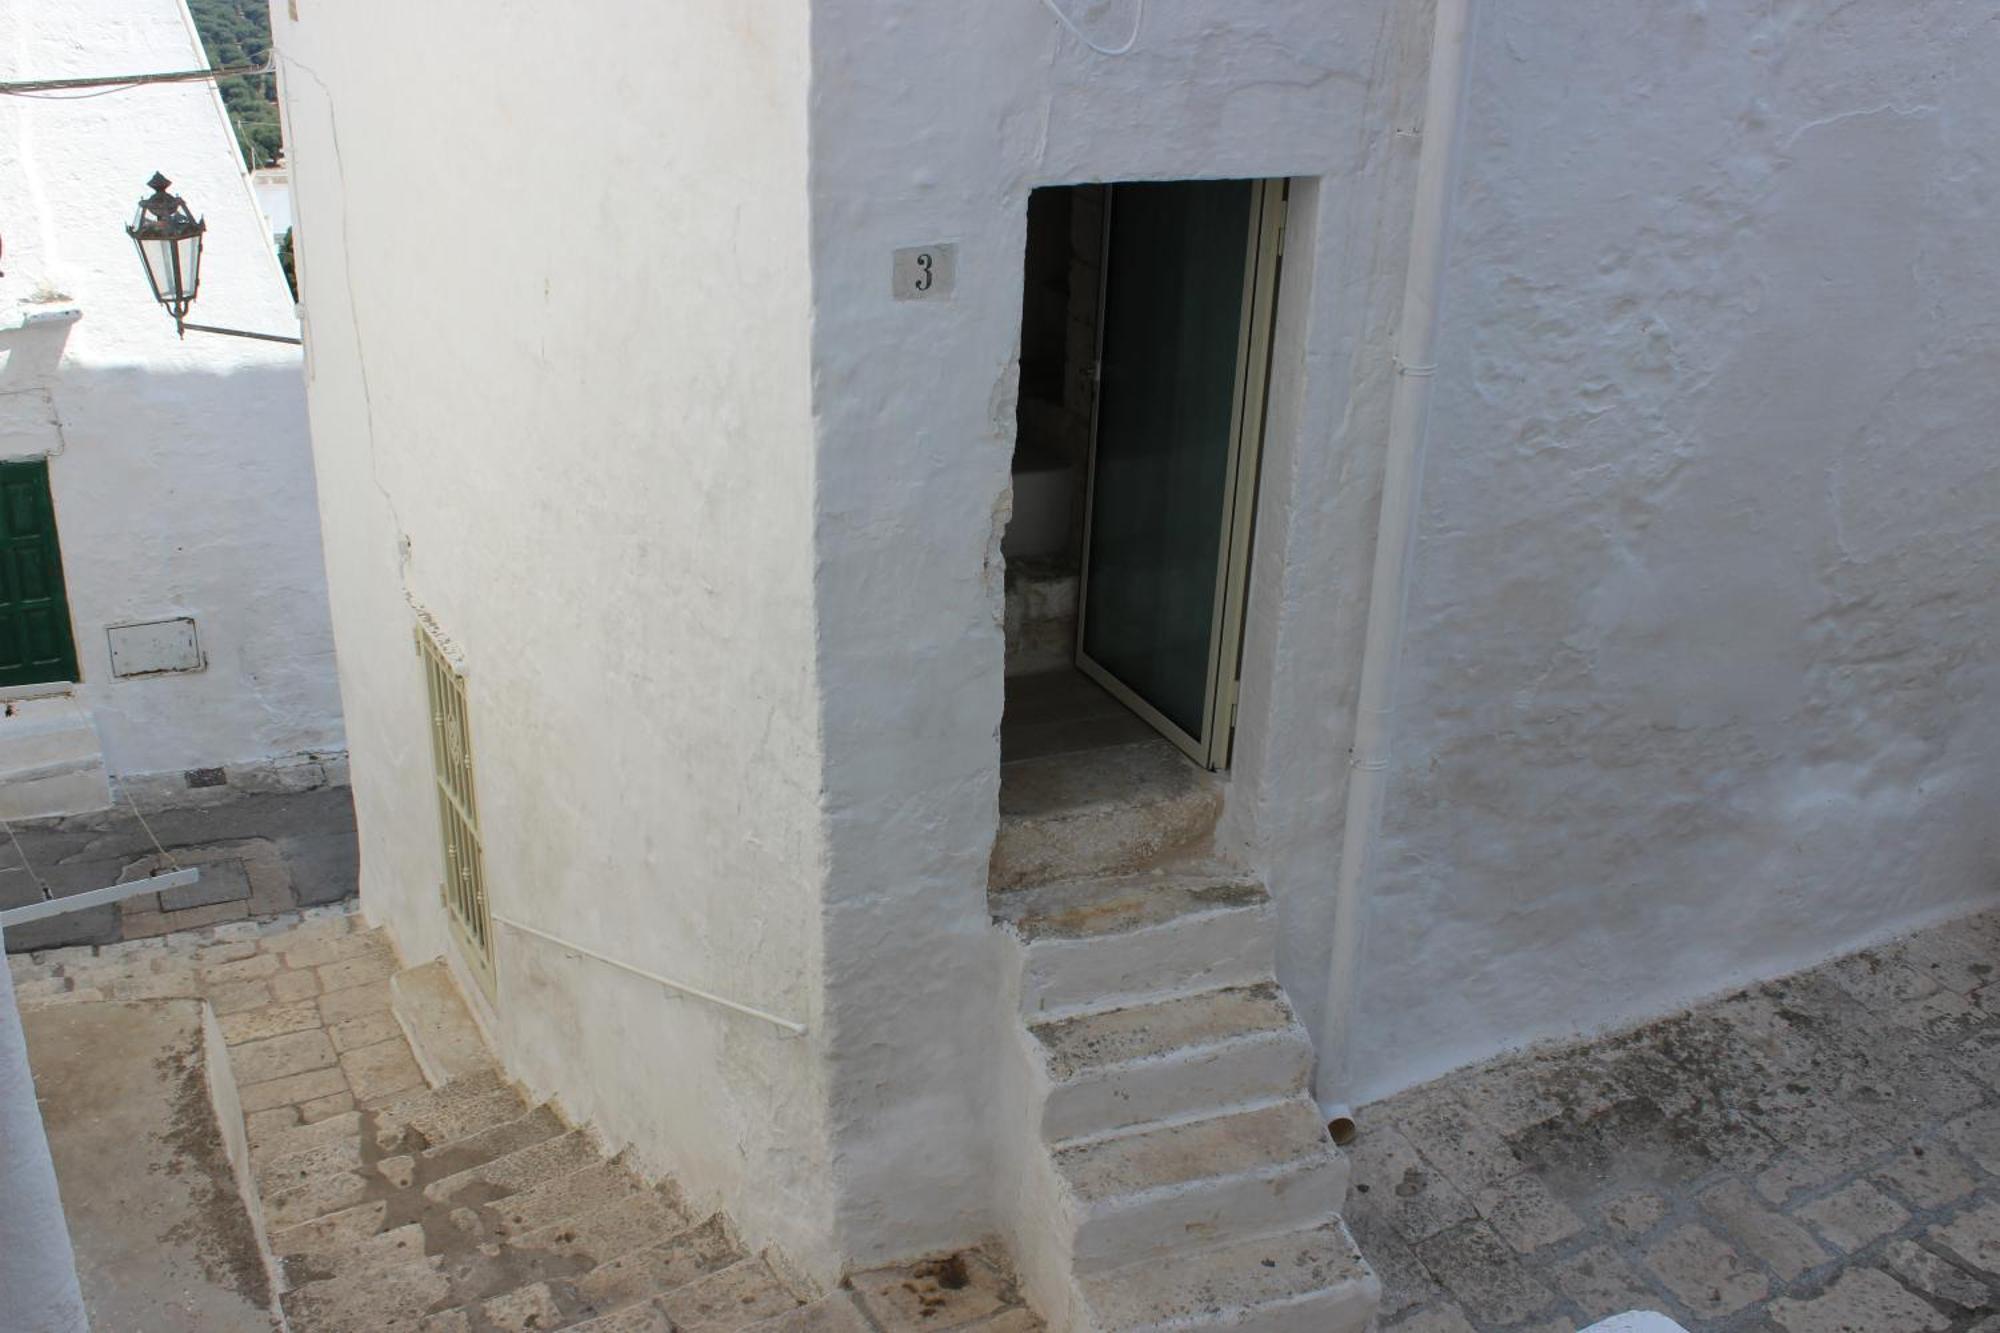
column 168, row 237
column 169, row 242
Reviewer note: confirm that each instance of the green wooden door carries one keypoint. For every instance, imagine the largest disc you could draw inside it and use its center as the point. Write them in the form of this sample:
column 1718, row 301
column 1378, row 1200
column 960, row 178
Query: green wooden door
column 35, row 642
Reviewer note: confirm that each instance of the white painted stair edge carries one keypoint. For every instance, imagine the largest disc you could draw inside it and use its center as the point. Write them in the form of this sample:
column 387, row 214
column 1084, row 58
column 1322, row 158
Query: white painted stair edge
column 51, row 760
column 1171, row 1170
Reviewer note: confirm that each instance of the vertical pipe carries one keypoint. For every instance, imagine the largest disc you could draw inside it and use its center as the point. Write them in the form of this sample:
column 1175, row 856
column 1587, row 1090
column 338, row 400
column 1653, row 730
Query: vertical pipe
column 38, row 1287
column 1395, row 540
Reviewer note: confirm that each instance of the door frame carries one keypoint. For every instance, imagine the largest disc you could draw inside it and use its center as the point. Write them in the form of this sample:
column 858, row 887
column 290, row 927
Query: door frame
column 1264, row 252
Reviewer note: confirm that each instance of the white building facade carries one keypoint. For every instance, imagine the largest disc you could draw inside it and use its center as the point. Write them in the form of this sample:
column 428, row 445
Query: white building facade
column 692, row 463
column 166, row 604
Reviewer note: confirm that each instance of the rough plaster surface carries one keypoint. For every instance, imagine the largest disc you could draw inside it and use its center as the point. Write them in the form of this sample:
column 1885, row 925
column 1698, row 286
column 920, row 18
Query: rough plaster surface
column 1697, row 653
column 582, row 444
column 1701, row 676
column 929, row 125
column 180, row 468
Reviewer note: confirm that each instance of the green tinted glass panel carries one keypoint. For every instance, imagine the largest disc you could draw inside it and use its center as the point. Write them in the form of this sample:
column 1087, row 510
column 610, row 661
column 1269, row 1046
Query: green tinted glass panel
column 1173, row 305
column 35, row 642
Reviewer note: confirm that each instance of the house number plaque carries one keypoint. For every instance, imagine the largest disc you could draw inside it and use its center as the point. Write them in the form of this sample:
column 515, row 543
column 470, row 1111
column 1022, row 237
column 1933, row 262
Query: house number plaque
column 924, row 272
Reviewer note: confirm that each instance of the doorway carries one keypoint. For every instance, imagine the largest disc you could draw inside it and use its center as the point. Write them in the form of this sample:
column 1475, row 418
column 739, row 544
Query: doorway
column 36, row 643
column 1146, row 323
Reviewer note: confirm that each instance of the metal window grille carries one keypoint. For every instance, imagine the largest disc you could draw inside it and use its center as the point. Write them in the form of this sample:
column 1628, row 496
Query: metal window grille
column 464, row 887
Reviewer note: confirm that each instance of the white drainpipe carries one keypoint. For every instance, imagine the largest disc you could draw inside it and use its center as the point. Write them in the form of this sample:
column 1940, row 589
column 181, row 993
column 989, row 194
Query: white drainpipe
column 1388, row 597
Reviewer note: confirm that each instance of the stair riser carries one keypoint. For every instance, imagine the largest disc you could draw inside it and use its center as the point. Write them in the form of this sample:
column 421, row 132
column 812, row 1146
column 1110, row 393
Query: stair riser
column 1343, row 1309
column 1204, row 1081
column 1039, row 645
column 66, row 747
column 1232, row 948
column 1207, row 1213
column 76, row 792
column 1110, row 840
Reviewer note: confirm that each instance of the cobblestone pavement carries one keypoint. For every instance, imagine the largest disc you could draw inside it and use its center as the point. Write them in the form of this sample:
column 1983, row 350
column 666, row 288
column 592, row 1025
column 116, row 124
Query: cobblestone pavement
column 260, row 853
column 1819, row 1154
column 304, row 1004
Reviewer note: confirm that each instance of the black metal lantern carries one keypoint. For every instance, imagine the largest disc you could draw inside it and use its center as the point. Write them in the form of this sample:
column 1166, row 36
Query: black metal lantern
column 168, row 237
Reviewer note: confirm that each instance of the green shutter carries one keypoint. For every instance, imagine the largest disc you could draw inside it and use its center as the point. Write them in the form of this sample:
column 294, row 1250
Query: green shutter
column 35, row 641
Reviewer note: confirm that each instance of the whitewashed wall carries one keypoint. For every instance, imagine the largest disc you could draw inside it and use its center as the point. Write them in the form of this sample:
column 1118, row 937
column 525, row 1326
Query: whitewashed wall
column 180, row 469
column 559, row 303
column 932, row 124
column 1703, row 679
column 1697, row 685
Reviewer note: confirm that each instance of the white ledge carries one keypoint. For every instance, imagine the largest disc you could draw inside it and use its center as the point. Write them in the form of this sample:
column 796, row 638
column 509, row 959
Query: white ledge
column 34, row 316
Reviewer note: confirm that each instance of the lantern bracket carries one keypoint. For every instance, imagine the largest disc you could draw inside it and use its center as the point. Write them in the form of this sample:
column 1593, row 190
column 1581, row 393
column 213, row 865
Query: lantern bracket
column 169, row 240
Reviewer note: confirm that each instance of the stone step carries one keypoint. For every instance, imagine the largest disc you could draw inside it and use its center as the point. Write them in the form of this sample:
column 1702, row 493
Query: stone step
column 1100, row 812
column 315, row 1196
column 51, row 760
column 336, row 1156
column 744, row 1295
column 332, row 1233
column 534, row 1305
column 385, row 1299
column 1105, row 943
column 341, row 1258
column 839, row 1314
column 605, row 1233
column 443, row 1037
column 1040, row 616
column 1307, row 1281
column 1148, row 1194
column 484, row 1146
column 302, row 1138
column 439, row 1115
column 657, row 1269
column 1172, row 1059
column 596, row 1186
column 516, row 1171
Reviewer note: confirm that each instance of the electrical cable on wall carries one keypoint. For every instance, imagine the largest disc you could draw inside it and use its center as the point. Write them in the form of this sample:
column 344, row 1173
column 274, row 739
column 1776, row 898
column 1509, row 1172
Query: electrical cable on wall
column 1138, row 21
column 63, row 90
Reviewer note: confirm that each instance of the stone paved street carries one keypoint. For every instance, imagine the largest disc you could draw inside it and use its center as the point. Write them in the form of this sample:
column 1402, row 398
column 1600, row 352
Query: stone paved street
column 1816, row 1155
column 260, row 853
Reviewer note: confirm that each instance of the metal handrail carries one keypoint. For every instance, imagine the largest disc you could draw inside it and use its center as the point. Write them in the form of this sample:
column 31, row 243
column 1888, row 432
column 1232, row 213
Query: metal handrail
column 796, row 1029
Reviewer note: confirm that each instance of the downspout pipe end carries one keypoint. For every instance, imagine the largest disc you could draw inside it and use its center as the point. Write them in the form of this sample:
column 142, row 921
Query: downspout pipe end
column 1340, row 1122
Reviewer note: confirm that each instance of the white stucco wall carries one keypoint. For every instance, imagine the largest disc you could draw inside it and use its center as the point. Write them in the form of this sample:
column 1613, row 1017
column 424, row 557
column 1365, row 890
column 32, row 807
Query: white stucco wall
column 180, row 469
column 559, row 391
column 933, row 123
column 1697, row 685
column 1703, row 674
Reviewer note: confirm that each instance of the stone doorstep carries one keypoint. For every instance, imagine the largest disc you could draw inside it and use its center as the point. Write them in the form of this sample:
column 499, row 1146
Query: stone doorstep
column 1100, row 812
column 434, row 1017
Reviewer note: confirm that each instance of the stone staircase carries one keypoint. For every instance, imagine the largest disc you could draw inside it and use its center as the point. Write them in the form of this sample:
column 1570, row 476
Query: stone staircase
column 464, row 1208
column 1179, row 1175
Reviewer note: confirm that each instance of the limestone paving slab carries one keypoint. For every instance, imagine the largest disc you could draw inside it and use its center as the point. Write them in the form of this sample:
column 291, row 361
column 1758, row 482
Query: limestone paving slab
column 1817, row 1154
column 395, row 1205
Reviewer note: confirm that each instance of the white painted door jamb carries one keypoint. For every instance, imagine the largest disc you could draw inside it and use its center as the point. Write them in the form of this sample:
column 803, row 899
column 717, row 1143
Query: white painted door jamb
column 1395, row 539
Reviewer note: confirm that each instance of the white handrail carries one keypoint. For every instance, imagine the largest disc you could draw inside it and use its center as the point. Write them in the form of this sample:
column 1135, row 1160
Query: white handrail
column 796, row 1029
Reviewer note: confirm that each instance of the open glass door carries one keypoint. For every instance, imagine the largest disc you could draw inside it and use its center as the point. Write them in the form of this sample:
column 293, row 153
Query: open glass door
column 1190, row 283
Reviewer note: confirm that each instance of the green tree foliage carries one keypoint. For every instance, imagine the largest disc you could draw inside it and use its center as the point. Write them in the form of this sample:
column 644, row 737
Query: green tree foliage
column 285, row 259
column 238, row 32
